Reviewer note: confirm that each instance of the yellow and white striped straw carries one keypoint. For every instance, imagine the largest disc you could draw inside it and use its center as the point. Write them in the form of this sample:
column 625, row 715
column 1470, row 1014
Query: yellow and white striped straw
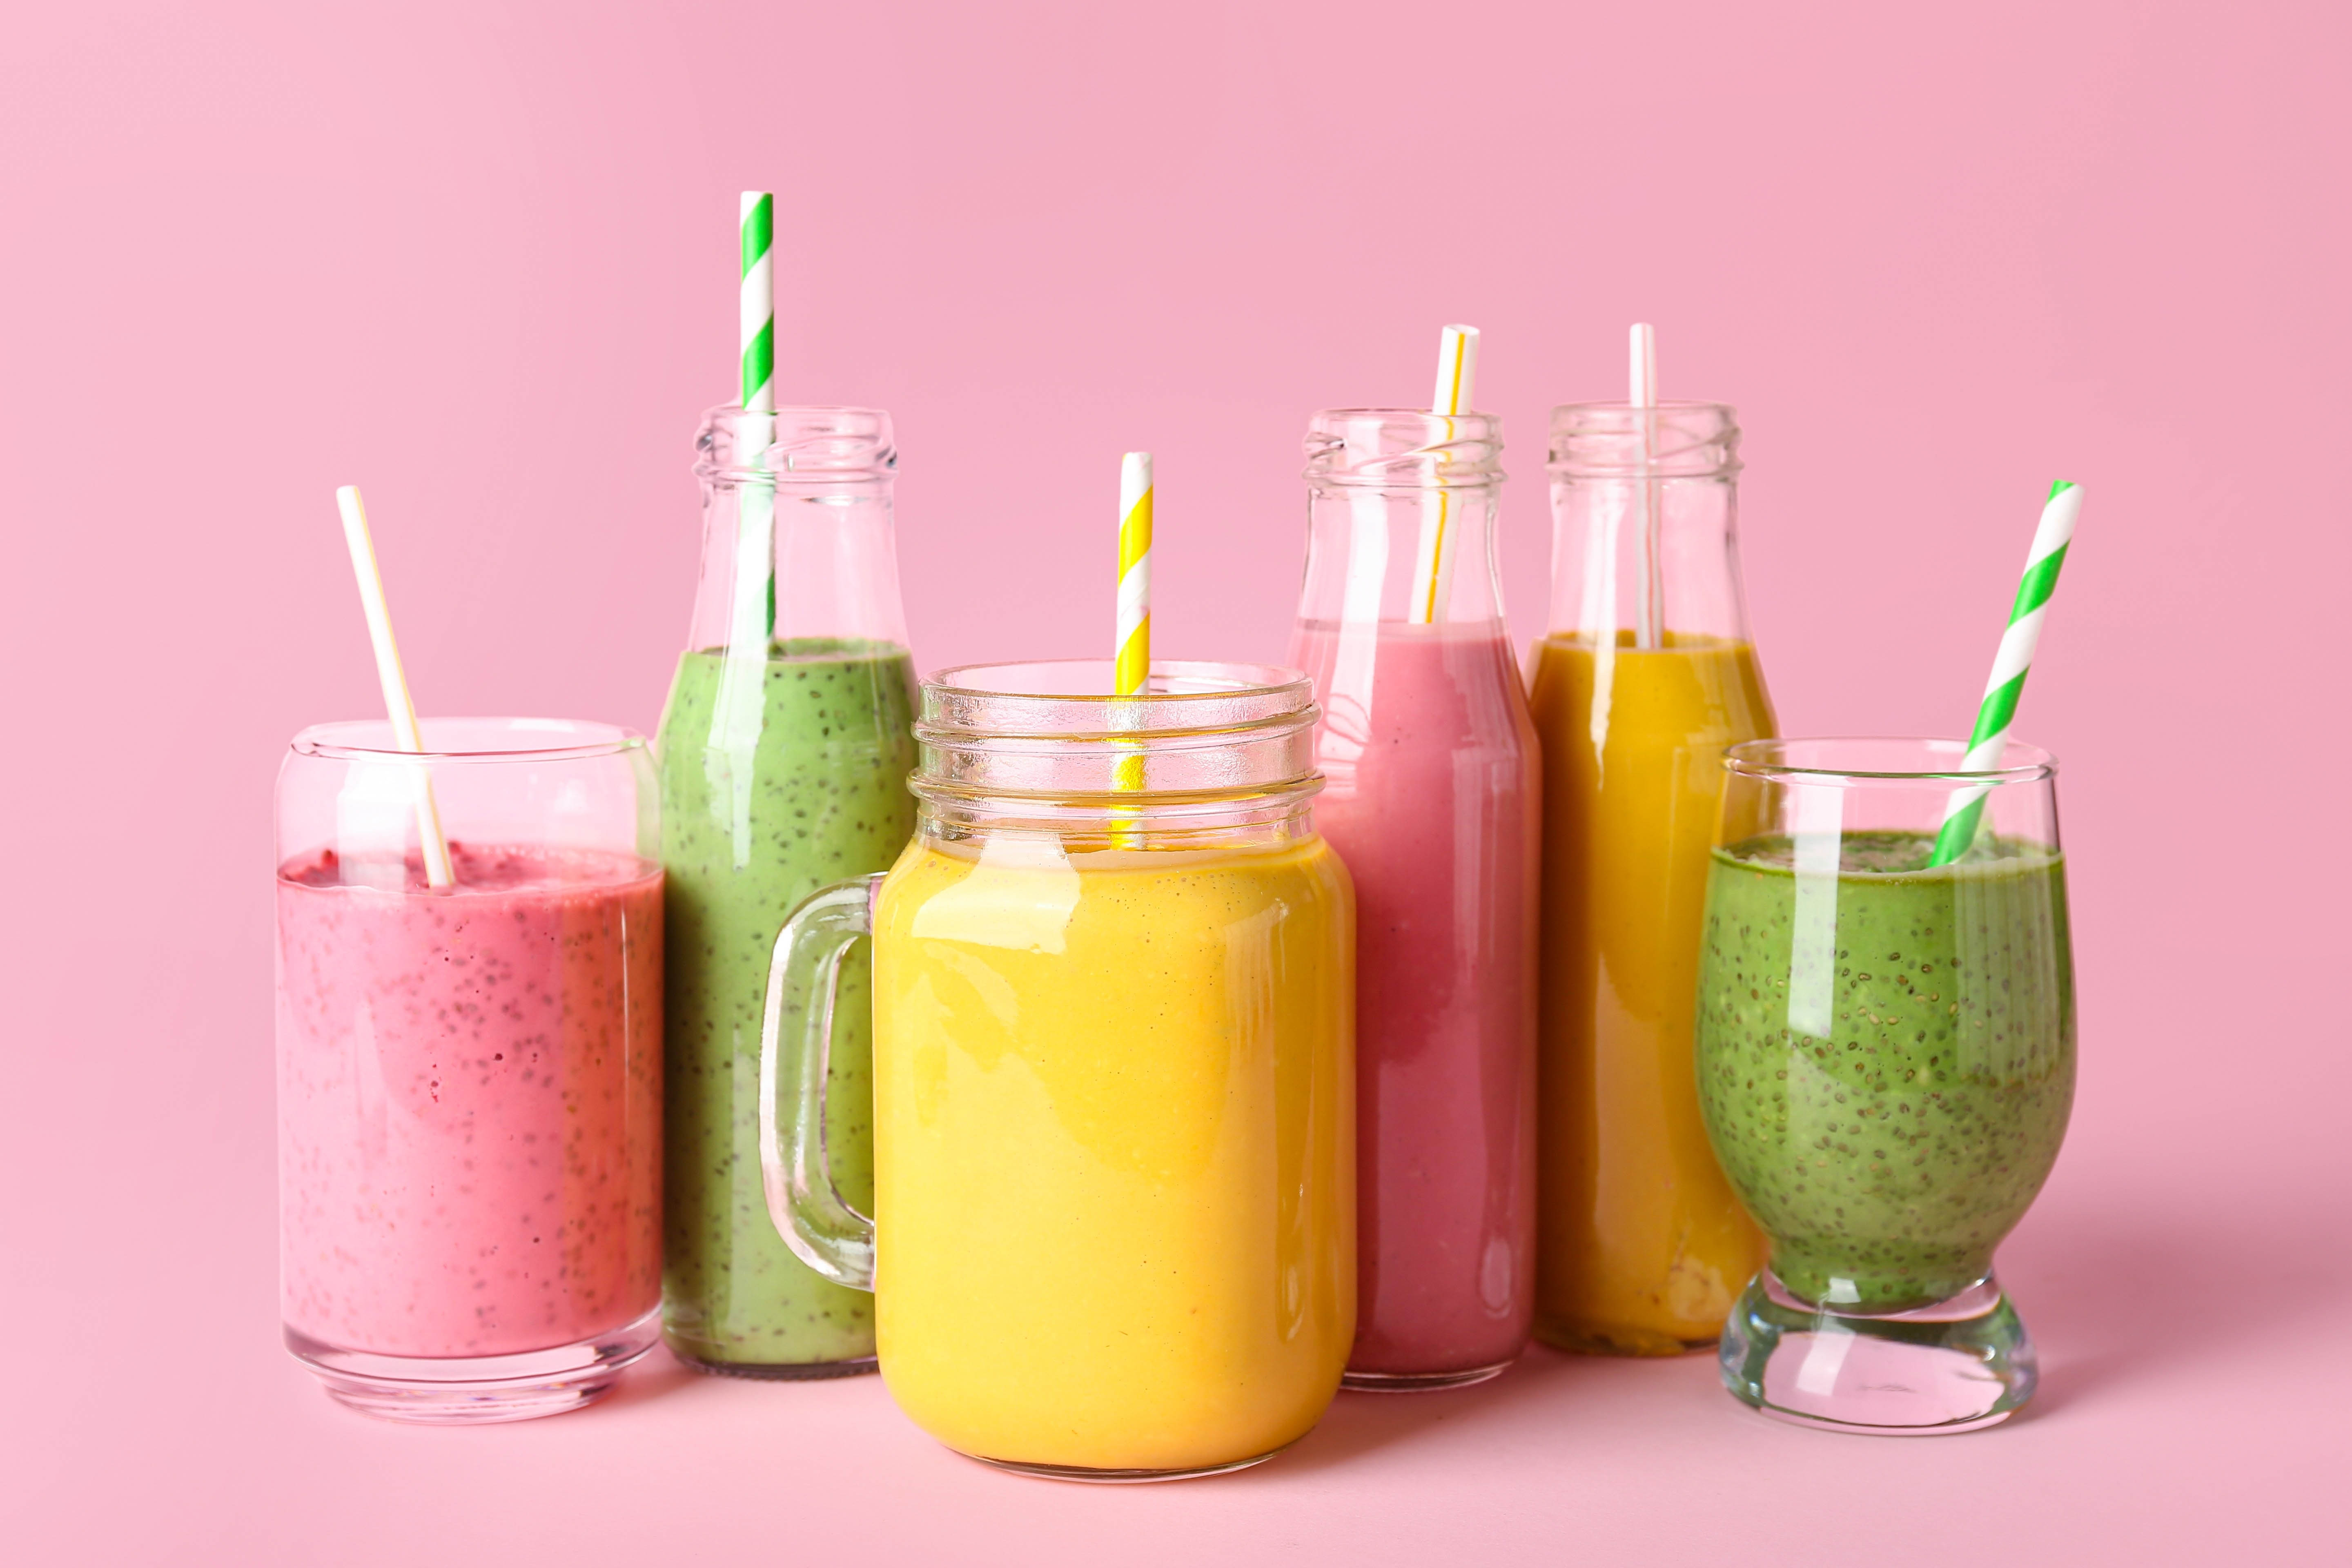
column 1132, row 664
column 1432, row 574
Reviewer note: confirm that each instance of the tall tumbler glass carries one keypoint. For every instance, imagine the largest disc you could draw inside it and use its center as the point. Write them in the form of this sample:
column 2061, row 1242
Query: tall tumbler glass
column 1886, row 1062
column 1433, row 795
column 785, row 748
column 469, row 1075
column 1114, row 1207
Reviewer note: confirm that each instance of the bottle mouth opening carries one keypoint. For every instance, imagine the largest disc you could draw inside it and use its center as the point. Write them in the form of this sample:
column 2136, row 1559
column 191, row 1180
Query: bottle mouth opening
column 1603, row 410
column 1403, row 449
column 1675, row 439
column 807, row 443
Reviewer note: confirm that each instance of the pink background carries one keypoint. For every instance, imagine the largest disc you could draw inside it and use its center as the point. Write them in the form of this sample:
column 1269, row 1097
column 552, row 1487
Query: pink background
column 478, row 258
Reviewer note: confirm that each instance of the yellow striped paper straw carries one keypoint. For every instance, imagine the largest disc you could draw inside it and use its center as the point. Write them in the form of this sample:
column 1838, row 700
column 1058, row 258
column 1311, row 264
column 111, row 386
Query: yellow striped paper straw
column 1132, row 665
column 1433, row 575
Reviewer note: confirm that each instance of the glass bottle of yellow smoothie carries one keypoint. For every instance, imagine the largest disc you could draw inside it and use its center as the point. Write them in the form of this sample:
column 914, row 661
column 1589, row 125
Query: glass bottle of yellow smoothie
column 1645, row 676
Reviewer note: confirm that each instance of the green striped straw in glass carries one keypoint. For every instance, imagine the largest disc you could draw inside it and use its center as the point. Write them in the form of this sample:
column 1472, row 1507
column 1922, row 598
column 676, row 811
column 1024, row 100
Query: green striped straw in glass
column 737, row 715
column 755, row 587
column 757, row 314
column 1965, row 811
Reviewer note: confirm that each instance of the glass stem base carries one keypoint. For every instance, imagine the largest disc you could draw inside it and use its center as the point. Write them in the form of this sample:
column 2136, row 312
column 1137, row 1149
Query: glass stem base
column 1953, row 1366
column 1420, row 1381
column 460, row 1390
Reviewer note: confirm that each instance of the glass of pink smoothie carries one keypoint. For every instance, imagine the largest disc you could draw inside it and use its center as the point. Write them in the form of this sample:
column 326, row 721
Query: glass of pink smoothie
column 1433, row 797
column 469, row 1075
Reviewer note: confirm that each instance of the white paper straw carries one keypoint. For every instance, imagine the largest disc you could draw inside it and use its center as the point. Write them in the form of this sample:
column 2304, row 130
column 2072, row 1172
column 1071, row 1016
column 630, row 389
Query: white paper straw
column 1650, row 601
column 397, row 704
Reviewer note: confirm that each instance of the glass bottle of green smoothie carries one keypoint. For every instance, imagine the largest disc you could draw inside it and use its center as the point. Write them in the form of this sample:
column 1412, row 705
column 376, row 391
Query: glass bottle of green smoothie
column 785, row 751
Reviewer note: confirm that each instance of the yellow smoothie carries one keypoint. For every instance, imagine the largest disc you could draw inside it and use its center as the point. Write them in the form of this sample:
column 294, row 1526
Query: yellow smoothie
column 1115, row 1148
column 1642, row 1246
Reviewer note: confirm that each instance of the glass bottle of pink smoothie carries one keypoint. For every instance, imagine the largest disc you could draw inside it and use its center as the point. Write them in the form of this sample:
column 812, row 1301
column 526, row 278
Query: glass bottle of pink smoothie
column 1433, row 797
column 470, row 1063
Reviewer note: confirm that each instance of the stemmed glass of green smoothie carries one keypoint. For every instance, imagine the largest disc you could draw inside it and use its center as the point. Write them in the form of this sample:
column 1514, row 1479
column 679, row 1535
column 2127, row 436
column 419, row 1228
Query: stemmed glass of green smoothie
column 1886, row 1065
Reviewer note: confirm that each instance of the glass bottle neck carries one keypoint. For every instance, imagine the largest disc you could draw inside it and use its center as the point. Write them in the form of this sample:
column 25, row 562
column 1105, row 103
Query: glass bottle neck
column 1417, row 556
column 1645, row 547
column 1400, row 519
column 799, row 548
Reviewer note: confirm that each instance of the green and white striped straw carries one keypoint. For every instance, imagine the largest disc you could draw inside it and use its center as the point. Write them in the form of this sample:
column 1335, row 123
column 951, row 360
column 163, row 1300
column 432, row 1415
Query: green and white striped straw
column 1965, row 810
column 755, row 584
column 757, row 309
column 751, row 612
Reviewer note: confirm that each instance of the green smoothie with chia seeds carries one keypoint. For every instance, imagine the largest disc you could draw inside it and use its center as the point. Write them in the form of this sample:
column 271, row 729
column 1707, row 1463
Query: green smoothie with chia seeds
column 1886, row 1056
column 806, row 788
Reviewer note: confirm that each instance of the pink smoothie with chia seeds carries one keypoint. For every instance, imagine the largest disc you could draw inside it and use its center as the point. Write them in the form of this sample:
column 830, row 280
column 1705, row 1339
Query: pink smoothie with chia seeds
column 1432, row 798
column 470, row 1101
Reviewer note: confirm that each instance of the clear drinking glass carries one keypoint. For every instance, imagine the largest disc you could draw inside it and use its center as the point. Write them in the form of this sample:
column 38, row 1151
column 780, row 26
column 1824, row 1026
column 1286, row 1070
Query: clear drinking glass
column 1113, row 1223
column 1433, row 796
column 469, row 1075
column 785, row 748
column 1886, row 1062
column 1646, row 675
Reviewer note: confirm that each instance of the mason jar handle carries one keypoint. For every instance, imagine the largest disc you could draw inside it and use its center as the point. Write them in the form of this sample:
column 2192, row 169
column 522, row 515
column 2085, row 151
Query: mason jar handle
column 807, row 1210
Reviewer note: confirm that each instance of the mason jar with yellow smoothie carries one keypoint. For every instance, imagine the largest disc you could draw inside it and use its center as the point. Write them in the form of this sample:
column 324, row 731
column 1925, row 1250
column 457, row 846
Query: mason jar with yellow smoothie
column 1114, row 1218
column 1647, row 675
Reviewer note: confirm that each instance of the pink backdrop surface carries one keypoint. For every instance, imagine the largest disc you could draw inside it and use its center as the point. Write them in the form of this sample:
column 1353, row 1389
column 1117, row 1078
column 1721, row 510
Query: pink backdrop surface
column 478, row 259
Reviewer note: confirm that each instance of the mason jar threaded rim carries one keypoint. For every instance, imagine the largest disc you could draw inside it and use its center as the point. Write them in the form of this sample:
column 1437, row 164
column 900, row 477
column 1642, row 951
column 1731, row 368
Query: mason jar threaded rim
column 1050, row 739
